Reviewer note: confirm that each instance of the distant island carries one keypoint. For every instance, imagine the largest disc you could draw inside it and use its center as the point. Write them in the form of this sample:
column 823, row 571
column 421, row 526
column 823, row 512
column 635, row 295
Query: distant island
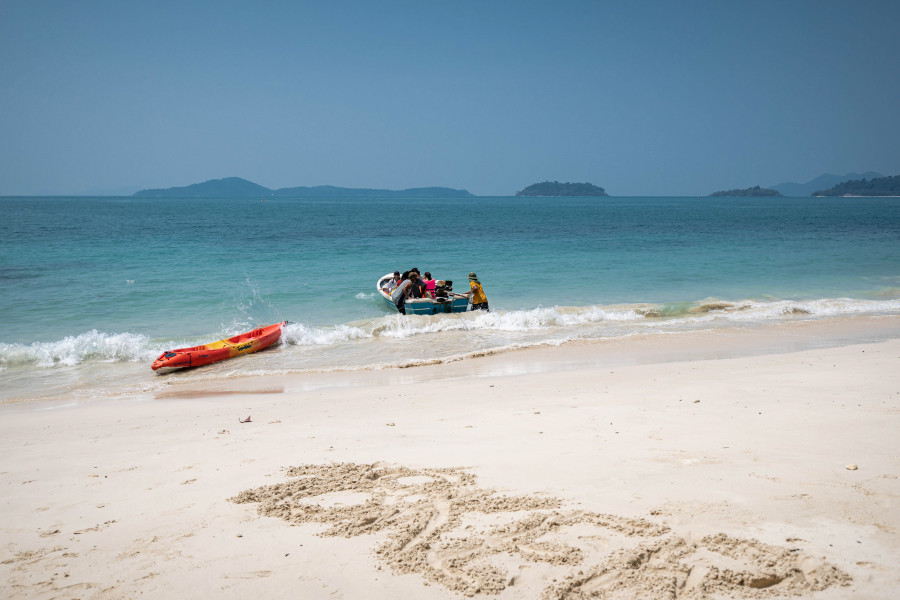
column 822, row 182
column 752, row 191
column 555, row 188
column 235, row 187
column 879, row 186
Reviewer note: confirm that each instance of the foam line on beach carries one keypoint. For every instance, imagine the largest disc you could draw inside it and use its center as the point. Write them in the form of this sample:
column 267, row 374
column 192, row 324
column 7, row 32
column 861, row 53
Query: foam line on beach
column 538, row 325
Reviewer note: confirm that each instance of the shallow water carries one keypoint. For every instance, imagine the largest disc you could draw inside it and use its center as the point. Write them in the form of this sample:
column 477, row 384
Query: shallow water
column 94, row 288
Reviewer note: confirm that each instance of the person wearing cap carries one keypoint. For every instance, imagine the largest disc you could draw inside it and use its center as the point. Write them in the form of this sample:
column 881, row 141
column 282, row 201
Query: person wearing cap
column 476, row 293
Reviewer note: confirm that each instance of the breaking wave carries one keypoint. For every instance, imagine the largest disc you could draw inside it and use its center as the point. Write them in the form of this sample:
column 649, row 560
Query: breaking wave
column 73, row 350
column 529, row 326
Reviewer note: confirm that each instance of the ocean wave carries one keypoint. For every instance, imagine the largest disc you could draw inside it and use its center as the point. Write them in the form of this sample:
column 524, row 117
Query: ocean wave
column 566, row 318
column 72, row 350
column 298, row 334
column 543, row 324
column 400, row 327
column 752, row 310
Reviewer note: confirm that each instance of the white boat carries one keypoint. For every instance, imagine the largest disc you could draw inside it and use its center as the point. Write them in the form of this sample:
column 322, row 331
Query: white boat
column 445, row 301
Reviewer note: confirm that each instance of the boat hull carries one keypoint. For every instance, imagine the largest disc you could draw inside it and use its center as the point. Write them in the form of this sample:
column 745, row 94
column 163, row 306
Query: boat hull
column 206, row 354
column 427, row 306
column 424, row 306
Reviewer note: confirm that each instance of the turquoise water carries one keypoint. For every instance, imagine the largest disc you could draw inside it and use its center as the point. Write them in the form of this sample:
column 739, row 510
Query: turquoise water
column 94, row 288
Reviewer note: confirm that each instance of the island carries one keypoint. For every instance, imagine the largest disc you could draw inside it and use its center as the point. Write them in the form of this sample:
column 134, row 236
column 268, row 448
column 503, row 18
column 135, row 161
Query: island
column 555, row 188
column 235, row 187
column 752, row 191
column 879, row 186
column 822, row 182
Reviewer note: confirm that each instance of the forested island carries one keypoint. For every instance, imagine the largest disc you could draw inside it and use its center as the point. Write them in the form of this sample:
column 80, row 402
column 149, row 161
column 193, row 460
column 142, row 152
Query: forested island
column 879, row 186
column 752, row 191
column 555, row 188
column 235, row 187
column 822, row 182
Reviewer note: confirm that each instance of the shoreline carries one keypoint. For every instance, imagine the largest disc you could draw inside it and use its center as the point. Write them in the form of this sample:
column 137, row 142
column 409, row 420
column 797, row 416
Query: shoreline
column 674, row 447
column 643, row 349
column 639, row 348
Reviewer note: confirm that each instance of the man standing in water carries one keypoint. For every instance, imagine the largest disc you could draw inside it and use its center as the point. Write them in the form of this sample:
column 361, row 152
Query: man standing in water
column 476, row 293
column 404, row 291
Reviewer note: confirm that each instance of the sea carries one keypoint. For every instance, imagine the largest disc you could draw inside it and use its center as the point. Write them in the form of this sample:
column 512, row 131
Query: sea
column 92, row 289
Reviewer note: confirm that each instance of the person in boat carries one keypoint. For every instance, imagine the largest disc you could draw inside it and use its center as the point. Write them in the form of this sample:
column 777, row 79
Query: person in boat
column 413, row 291
column 476, row 293
column 391, row 285
column 404, row 291
column 419, row 288
column 429, row 285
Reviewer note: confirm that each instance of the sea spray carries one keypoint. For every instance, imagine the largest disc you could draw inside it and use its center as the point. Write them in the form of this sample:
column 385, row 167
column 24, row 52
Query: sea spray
column 72, row 350
column 299, row 334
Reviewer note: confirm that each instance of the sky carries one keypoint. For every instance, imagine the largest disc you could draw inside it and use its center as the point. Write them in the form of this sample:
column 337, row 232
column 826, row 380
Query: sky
column 638, row 97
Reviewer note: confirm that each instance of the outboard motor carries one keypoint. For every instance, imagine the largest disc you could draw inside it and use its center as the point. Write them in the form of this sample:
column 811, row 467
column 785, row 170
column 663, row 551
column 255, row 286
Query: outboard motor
column 442, row 290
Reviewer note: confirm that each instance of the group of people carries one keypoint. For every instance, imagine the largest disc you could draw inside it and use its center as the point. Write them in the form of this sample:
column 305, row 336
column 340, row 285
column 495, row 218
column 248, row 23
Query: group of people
column 412, row 284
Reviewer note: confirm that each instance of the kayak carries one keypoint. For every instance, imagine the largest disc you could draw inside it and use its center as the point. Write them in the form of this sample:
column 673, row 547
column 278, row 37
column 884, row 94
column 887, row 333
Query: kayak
column 244, row 343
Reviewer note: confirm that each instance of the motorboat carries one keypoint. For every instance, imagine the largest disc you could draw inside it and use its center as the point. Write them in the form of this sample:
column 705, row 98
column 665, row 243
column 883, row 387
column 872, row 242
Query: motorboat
column 444, row 301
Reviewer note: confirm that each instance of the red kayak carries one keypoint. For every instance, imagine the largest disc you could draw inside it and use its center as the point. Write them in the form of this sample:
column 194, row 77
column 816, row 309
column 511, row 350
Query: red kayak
column 244, row 343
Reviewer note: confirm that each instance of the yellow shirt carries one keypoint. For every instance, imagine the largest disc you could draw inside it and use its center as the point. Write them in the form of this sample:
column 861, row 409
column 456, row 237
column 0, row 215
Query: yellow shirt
column 478, row 297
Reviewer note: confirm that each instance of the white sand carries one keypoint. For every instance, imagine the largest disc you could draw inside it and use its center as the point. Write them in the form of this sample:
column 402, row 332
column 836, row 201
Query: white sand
column 709, row 478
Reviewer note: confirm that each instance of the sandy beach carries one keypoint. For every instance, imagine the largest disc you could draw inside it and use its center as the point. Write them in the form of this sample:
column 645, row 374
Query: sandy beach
column 626, row 469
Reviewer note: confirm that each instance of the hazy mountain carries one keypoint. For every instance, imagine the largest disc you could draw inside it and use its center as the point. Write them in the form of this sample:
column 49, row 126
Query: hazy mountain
column 822, row 182
column 230, row 187
column 877, row 186
column 235, row 187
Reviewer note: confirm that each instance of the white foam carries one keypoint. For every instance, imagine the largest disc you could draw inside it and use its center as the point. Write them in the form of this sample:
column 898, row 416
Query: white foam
column 299, row 334
column 567, row 318
column 541, row 325
column 751, row 310
column 72, row 350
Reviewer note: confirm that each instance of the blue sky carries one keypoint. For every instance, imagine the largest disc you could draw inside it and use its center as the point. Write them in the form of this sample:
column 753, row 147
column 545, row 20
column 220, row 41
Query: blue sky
column 642, row 98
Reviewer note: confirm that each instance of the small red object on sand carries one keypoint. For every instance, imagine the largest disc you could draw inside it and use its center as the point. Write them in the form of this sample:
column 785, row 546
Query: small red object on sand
column 247, row 420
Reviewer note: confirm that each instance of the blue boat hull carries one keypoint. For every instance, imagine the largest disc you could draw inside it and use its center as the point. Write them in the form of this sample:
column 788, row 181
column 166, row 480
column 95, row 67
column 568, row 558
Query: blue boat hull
column 426, row 306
